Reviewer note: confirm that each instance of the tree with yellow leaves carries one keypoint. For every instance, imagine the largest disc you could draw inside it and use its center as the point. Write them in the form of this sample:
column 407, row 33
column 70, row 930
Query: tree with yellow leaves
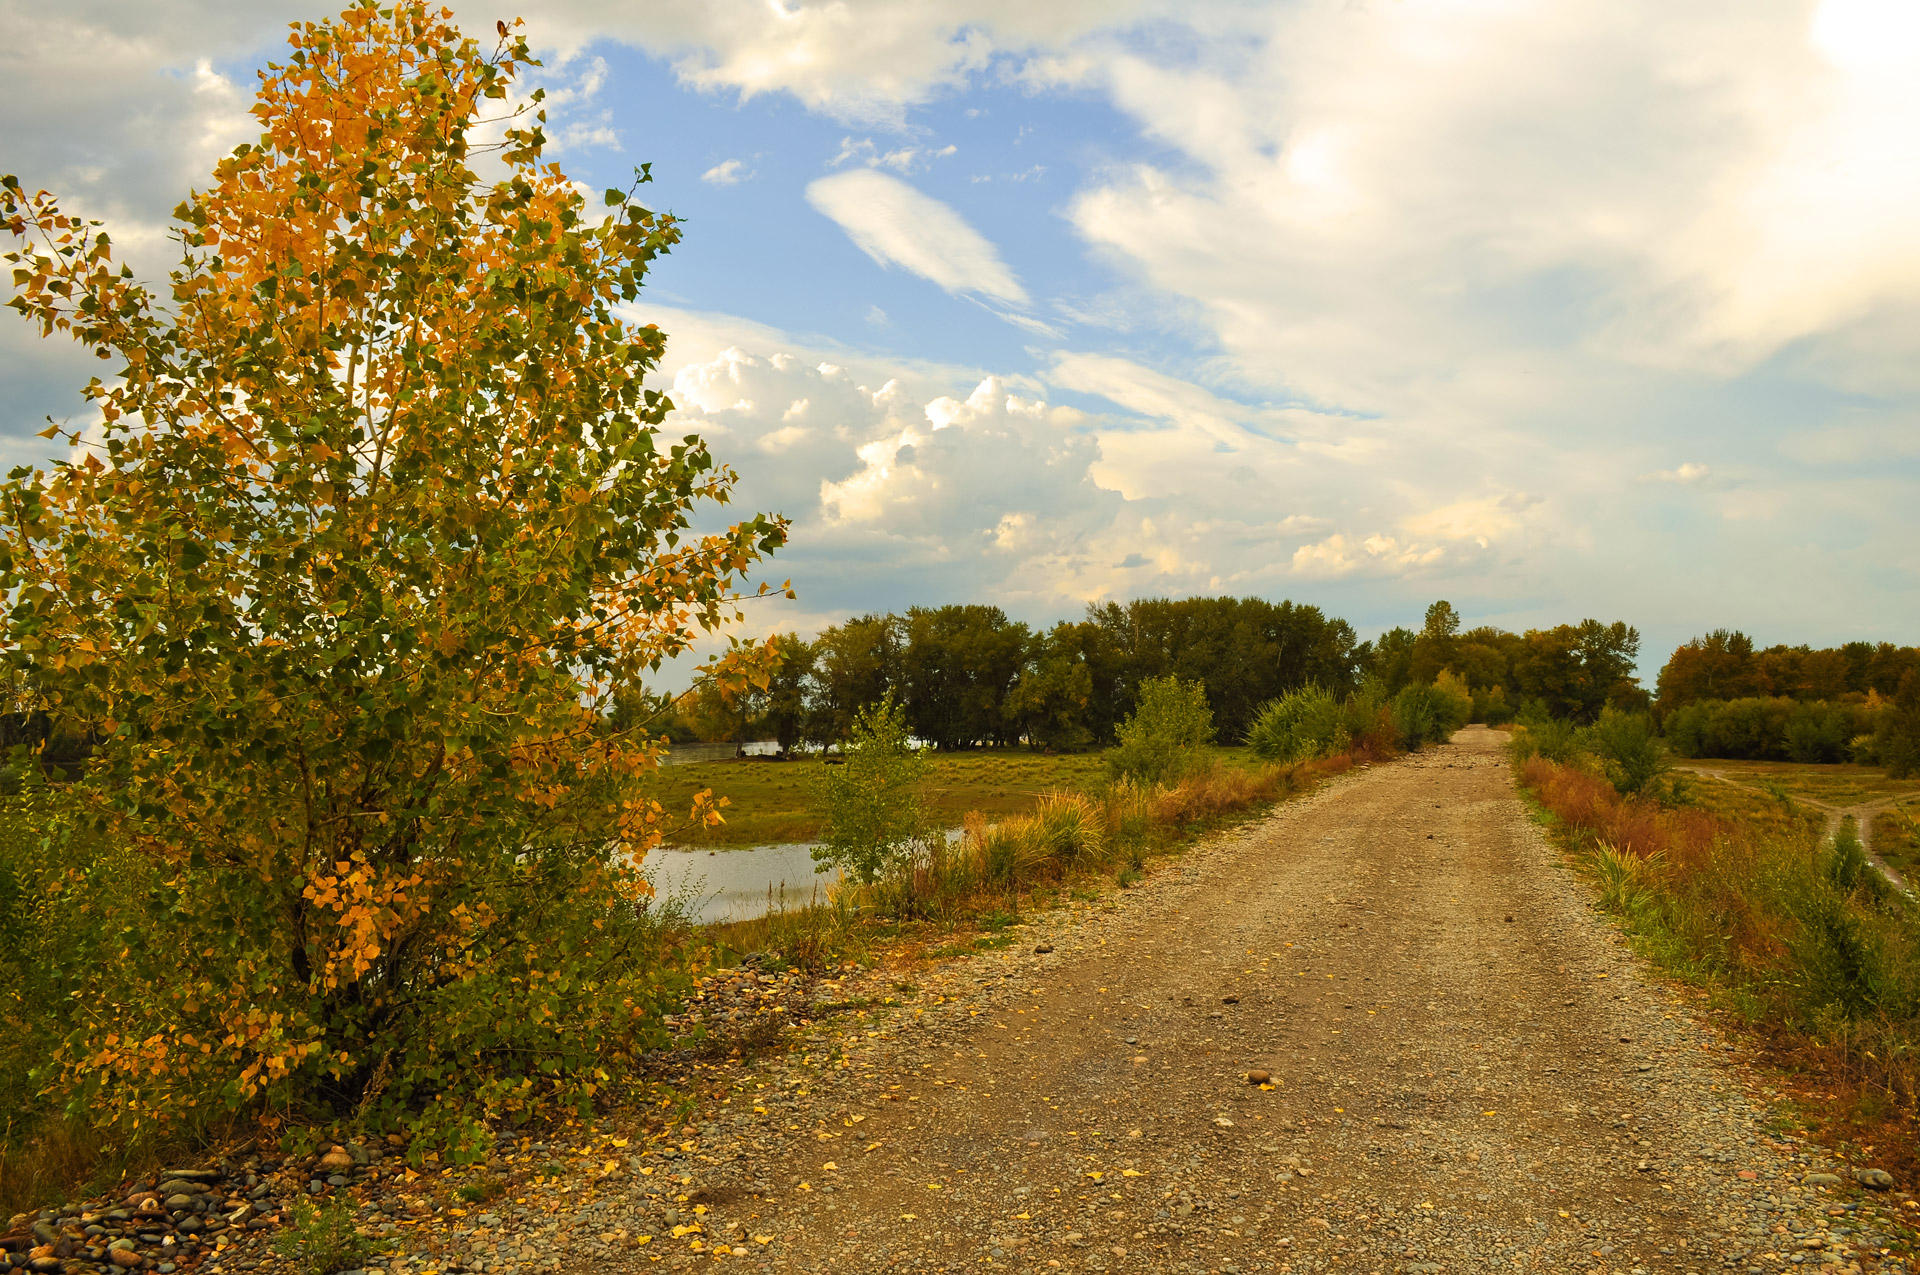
column 375, row 516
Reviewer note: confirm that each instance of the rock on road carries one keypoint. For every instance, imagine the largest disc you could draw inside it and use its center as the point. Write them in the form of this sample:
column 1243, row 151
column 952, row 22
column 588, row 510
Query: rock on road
column 1469, row 1073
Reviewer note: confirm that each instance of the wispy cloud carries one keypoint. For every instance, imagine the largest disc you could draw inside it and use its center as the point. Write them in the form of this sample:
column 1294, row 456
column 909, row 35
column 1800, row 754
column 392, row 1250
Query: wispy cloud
column 902, row 159
column 897, row 225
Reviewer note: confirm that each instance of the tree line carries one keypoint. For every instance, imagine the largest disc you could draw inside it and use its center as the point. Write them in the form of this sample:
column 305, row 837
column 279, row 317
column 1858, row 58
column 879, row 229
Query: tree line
column 967, row 676
column 1721, row 697
column 1724, row 665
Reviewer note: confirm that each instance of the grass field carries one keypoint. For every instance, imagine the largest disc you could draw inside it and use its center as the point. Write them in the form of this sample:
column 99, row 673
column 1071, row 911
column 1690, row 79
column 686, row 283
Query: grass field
column 772, row 801
column 1896, row 838
column 1837, row 785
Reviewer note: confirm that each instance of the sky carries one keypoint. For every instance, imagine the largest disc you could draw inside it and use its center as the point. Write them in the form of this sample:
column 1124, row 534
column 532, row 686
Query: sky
column 1552, row 309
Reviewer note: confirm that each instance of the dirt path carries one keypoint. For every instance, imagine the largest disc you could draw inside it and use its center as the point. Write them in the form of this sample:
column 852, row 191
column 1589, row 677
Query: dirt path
column 1470, row 1074
column 1861, row 813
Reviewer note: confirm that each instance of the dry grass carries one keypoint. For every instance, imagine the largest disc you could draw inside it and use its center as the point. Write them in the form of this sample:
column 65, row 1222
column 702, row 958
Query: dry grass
column 1800, row 938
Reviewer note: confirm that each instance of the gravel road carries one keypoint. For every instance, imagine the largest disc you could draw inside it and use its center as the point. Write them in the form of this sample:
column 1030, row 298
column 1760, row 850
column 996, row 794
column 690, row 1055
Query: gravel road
column 1469, row 1072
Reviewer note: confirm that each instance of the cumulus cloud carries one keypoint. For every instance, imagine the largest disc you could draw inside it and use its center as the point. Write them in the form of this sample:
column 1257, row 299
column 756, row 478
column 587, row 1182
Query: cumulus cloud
column 897, row 225
column 726, row 173
column 1340, row 555
column 915, row 482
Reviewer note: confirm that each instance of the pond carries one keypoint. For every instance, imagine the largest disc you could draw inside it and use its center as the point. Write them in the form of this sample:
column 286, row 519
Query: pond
column 738, row 885
column 688, row 754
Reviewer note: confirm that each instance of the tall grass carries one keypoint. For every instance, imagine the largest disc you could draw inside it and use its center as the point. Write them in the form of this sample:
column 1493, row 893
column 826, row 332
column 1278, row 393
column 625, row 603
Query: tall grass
column 1801, row 935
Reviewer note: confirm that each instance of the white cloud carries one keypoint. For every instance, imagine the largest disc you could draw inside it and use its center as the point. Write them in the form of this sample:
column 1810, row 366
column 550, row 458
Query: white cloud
column 723, row 174
column 897, row 225
column 1690, row 472
column 862, row 60
column 1375, row 196
column 1482, row 521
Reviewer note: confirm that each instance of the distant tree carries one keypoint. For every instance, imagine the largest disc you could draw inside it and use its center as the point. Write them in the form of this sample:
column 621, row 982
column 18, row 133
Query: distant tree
column 1889, row 667
column 1245, row 651
column 1720, row 665
column 788, row 712
column 855, row 664
column 957, row 666
column 1051, row 702
column 722, row 712
column 1442, row 622
column 1574, row 671
column 1391, row 659
column 1484, row 656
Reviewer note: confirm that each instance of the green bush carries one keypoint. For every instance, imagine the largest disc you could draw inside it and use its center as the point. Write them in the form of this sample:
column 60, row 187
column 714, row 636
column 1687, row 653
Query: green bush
column 1819, row 732
column 1555, row 740
column 1366, row 719
column 1628, row 749
column 1301, row 725
column 1165, row 733
column 1755, row 729
column 1430, row 714
column 871, row 802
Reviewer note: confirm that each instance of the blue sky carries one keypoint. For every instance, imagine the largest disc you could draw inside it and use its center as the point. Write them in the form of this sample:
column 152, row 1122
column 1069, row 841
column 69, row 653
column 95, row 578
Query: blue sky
column 1587, row 308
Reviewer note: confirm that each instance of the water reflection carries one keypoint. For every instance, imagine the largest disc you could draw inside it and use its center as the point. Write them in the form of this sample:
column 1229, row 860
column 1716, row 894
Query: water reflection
column 737, row 885
column 688, row 754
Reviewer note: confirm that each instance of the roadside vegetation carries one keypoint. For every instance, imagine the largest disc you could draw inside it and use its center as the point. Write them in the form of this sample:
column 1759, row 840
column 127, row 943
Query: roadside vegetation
column 909, row 886
column 1739, row 890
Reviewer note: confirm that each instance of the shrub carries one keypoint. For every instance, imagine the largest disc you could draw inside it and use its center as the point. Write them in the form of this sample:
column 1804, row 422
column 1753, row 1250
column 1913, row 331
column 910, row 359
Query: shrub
column 1430, row 714
column 1455, row 700
column 1628, row 750
column 871, row 803
column 1366, row 719
column 1819, row 732
column 1299, row 726
column 1755, row 729
column 1160, row 740
column 1551, row 738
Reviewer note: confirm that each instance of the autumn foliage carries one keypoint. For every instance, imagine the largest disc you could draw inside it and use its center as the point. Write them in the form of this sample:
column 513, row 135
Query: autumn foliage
column 374, row 517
